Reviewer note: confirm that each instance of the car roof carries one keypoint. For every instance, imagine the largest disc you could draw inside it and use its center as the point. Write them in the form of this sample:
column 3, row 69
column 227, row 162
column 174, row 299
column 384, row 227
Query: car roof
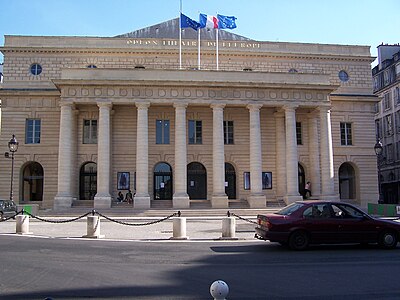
column 321, row 202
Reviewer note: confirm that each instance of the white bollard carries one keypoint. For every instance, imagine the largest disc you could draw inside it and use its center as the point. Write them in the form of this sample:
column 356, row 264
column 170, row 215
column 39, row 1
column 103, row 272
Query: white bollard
column 22, row 224
column 219, row 290
column 229, row 228
column 179, row 229
column 93, row 228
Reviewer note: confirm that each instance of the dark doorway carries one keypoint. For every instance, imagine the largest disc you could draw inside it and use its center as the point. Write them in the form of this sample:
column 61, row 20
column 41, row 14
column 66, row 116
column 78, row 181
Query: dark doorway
column 88, row 181
column 302, row 179
column 162, row 181
column 347, row 181
column 230, row 181
column 32, row 188
column 196, row 181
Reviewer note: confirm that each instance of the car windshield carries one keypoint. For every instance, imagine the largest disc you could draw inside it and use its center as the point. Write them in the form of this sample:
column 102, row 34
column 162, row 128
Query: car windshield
column 288, row 210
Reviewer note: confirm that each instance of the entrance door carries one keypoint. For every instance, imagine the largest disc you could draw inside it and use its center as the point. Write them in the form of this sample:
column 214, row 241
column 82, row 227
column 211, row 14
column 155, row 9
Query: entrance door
column 196, row 181
column 302, row 179
column 162, row 182
column 32, row 188
column 230, row 181
column 88, row 181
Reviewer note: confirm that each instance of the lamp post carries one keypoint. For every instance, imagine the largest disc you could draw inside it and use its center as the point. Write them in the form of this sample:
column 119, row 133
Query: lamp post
column 378, row 152
column 12, row 147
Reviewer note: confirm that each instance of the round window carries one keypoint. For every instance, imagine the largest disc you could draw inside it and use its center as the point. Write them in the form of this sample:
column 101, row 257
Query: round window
column 343, row 76
column 36, row 69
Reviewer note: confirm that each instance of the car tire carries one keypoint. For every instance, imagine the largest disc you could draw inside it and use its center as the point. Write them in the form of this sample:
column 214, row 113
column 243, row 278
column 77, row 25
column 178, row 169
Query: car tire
column 388, row 240
column 299, row 240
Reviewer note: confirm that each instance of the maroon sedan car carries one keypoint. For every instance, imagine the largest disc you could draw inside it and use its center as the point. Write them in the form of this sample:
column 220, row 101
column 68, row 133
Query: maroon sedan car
column 304, row 223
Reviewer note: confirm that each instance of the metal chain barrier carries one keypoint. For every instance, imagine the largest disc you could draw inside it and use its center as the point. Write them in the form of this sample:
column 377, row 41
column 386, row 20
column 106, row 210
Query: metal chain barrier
column 241, row 218
column 56, row 221
column 138, row 224
column 12, row 217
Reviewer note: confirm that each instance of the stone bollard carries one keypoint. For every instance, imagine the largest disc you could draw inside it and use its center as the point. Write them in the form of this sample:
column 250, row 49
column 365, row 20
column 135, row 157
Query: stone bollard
column 179, row 229
column 22, row 224
column 219, row 290
column 228, row 228
column 93, row 228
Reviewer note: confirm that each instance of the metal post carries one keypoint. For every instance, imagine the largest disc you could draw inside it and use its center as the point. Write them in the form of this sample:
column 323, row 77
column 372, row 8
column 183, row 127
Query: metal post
column 12, row 176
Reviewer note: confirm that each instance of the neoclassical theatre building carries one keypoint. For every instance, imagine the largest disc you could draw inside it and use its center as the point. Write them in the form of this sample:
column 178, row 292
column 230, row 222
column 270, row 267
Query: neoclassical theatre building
column 99, row 115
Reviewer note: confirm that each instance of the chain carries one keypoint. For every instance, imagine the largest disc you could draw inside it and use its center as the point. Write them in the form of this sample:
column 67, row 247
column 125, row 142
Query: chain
column 241, row 218
column 57, row 221
column 12, row 217
column 138, row 224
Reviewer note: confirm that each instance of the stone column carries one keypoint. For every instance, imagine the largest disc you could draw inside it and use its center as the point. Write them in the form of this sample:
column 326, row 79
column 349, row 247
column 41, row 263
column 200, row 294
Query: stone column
column 292, row 164
column 103, row 197
column 327, row 174
column 313, row 155
column 142, row 197
column 63, row 198
column 257, row 198
column 219, row 198
column 180, row 198
column 280, row 148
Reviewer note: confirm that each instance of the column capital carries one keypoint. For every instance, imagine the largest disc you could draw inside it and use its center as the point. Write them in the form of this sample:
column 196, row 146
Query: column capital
column 180, row 104
column 104, row 104
column 290, row 107
column 254, row 106
column 67, row 104
column 142, row 105
column 217, row 105
column 323, row 109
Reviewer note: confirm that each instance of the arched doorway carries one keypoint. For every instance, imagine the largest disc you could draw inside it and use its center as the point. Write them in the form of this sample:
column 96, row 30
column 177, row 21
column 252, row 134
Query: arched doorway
column 347, row 186
column 302, row 179
column 162, row 181
column 88, row 181
column 196, row 181
column 230, row 181
column 32, row 188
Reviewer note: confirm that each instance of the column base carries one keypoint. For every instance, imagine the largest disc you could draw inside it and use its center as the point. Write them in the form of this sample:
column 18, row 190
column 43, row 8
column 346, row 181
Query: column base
column 220, row 201
column 62, row 202
column 257, row 201
column 141, row 202
column 292, row 198
column 102, row 202
column 180, row 201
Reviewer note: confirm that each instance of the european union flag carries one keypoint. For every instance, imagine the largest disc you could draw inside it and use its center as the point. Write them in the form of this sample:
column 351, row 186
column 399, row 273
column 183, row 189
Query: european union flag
column 187, row 22
column 225, row 22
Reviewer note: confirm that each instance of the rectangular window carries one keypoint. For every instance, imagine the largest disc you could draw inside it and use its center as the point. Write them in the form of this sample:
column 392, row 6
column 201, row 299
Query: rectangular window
column 386, row 101
column 90, row 131
column 246, row 180
column 228, row 132
column 345, row 134
column 32, row 131
column 389, row 125
column 298, row 133
column 397, row 95
column 162, row 131
column 195, row 132
column 398, row 121
column 390, row 152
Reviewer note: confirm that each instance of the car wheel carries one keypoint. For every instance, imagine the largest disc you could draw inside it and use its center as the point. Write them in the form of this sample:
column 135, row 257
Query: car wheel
column 388, row 240
column 298, row 240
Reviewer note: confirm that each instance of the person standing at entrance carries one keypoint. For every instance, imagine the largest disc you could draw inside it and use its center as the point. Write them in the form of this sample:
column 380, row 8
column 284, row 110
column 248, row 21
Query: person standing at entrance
column 129, row 197
column 307, row 190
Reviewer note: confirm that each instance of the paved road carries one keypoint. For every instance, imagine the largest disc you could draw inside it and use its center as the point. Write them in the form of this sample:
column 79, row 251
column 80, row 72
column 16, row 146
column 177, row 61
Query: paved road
column 35, row 268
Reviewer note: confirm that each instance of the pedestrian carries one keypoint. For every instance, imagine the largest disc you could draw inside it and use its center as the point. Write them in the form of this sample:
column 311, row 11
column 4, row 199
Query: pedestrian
column 120, row 197
column 307, row 190
column 129, row 197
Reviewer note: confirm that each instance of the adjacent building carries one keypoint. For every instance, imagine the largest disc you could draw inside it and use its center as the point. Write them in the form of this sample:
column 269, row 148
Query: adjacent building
column 386, row 76
column 96, row 115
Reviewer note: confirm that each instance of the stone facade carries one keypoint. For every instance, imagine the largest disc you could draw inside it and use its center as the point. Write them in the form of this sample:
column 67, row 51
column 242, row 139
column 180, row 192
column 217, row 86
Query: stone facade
column 285, row 101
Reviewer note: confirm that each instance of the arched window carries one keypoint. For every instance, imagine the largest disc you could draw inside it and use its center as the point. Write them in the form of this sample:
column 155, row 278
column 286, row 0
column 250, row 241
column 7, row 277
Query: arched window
column 88, row 181
column 32, row 187
column 196, row 181
column 162, row 181
column 347, row 187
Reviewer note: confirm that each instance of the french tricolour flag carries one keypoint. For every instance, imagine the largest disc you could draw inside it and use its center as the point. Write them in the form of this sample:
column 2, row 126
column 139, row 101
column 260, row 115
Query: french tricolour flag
column 208, row 21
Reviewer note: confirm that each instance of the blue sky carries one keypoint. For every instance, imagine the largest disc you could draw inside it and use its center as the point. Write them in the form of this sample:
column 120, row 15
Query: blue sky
column 349, row 22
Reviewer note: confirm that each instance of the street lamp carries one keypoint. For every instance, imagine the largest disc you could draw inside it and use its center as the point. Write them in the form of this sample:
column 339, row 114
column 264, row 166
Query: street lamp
column 13, row 147
column 378, row 152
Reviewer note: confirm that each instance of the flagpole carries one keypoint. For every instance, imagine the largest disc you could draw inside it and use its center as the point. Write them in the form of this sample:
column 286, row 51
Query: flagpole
column 180, row 36
column 217, row 47
column 198, row 51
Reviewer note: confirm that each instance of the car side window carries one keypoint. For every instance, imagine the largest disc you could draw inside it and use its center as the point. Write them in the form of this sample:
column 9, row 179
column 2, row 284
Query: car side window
column 351, row 212
column 317, row 211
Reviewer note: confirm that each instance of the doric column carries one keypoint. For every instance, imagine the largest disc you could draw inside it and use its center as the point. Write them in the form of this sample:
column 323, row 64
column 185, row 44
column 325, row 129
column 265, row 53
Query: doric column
column 313, row 155
column 280, row 148
column 103, row 197
column 63, row 198
column 257, row 198
column 219, row 198
column 142, row 197
column 292, row 163
column 327, row 175
column 181, row 198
